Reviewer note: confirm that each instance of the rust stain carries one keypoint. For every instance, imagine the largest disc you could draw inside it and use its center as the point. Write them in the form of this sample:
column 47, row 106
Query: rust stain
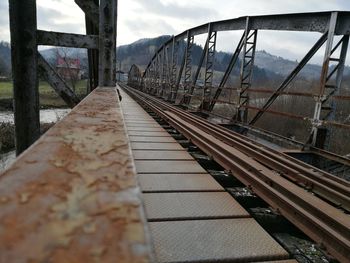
column 73, row 196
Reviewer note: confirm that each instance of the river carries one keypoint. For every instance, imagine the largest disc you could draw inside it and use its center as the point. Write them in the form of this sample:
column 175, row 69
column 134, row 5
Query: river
column 46, row 116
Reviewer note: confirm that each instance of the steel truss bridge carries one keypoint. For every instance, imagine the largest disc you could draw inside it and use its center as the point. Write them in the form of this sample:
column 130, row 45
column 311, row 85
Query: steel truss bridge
column 138, row 173
column 172, row 75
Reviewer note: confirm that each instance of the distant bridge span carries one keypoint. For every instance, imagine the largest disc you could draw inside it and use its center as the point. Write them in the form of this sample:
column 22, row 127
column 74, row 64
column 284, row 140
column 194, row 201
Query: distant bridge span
column 172, row 75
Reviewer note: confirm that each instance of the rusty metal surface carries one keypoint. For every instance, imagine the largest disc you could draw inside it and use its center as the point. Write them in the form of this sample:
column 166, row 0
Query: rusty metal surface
column 161, row 155
column 49, row 38
column 224, row 240
column 170, row 146
column 73, row 196
column 165, row 166
column 151, row 139
column 200, row 205
column 178, row 183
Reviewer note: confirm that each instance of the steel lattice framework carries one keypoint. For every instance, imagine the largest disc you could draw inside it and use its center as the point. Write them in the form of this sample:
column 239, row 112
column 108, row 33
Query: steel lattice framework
column 177, row 83
column 100, row 41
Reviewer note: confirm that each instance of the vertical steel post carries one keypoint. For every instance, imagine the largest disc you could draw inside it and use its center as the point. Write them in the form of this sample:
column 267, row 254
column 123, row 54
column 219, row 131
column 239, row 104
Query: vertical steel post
column 114, row 49
column 317, row 137
column 227, row 73
column 23, row 25
column 168, row 72
column 179, row 75
column 164, row 72
column 209, row 68
column 107, row 42
column 188, row 63
column 158, row 73
column 93, row 54
column 188, row 96
column 174, row 57
column 246, row 72
column 153, row 76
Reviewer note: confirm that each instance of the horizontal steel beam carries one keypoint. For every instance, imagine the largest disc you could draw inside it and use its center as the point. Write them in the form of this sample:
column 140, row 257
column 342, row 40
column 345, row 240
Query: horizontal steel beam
column 49, row 38
column 303, row 22
column 73, row 196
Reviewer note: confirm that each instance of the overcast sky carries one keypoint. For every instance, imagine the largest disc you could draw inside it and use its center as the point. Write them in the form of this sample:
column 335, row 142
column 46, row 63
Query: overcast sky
column 150, row 18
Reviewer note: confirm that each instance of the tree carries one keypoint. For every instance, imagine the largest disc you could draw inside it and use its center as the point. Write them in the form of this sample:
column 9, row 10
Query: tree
column 68, row 66
column 4, row 71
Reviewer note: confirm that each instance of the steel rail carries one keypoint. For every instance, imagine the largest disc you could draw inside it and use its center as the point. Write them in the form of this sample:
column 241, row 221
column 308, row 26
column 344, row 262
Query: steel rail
column 234, row 136
column 324, row 184
column 321, row 221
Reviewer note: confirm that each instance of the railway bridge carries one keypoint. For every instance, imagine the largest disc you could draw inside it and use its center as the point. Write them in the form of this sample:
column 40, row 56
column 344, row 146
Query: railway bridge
column 154, row 170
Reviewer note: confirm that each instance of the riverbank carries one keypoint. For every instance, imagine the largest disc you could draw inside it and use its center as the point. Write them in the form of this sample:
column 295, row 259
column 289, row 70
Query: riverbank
column 48, row 97
column 7, row 135
column 7, row 159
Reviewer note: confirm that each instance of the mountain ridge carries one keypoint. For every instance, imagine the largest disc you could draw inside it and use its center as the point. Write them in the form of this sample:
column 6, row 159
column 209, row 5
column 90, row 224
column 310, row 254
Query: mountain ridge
column 141, row 51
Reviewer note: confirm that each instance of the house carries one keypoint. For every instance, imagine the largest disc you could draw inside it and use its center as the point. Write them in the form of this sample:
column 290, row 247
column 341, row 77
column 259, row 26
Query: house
column 68, row 68
column 121, row 76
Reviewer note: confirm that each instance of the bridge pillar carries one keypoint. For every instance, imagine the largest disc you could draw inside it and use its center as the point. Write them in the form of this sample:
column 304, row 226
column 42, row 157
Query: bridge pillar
column 23, row 25
column 107, row 31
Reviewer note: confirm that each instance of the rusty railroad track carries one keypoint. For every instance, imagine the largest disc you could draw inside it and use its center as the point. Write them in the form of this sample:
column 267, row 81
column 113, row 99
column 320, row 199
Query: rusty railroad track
column 313, row 200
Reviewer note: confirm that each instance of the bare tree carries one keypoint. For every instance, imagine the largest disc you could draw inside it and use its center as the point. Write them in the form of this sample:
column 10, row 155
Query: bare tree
column 68, row 66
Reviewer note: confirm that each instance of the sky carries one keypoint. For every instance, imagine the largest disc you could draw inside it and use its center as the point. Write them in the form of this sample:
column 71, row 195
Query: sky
column 150, row 18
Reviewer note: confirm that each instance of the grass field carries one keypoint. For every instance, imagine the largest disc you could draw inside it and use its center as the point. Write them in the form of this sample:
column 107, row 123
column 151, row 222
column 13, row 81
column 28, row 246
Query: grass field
column 48, row 96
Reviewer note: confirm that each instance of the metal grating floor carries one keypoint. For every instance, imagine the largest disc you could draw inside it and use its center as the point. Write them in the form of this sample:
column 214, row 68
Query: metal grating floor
column 178, row 183
column 168, row 166
column 199, row 205
column 233, row 240
column 161, row 155
column 191, row 217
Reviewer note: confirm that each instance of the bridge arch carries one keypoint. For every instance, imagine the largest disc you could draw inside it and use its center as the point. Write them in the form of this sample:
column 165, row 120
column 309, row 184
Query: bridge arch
column 171, row 76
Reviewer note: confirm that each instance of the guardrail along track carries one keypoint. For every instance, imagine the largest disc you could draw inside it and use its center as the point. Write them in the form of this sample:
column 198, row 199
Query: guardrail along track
column 277, row 179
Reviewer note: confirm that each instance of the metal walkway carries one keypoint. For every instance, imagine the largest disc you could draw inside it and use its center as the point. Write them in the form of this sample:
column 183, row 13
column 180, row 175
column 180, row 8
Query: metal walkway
column 191, row 217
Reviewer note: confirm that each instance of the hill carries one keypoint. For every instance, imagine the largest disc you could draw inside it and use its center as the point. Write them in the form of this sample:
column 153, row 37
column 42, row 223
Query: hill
column 141, row 51
column 5, row 59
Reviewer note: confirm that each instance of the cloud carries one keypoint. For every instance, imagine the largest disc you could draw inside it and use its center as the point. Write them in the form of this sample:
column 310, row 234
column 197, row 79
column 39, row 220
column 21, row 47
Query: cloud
column 174, row 9
column 60, row 15
column 4, row 21
column 140, row 19
column 148, row 27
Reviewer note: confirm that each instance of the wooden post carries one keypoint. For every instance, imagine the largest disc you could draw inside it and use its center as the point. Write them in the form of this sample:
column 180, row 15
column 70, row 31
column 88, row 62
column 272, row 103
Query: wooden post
column 23, row 27
column 107, row 43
